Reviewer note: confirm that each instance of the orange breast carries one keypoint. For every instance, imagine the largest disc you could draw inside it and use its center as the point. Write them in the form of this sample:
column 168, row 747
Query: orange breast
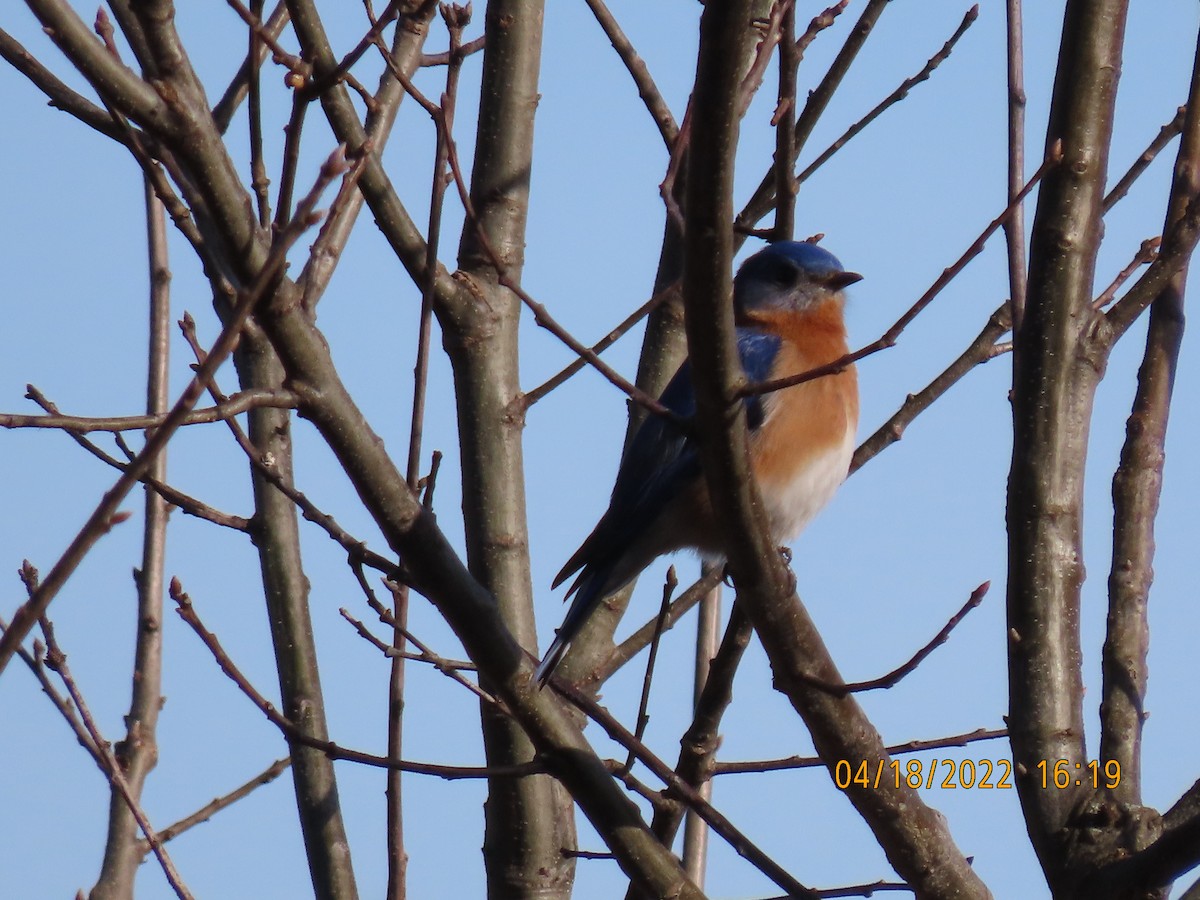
column 808, row 422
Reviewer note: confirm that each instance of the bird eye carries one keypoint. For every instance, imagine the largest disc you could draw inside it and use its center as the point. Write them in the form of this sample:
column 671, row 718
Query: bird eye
column 785, row 275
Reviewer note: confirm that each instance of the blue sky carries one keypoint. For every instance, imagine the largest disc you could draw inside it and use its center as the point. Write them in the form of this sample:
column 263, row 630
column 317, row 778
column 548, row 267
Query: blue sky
column 894, row 556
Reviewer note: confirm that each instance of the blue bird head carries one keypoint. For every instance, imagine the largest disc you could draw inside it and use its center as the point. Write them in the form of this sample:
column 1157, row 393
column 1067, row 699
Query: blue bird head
column 787, row 277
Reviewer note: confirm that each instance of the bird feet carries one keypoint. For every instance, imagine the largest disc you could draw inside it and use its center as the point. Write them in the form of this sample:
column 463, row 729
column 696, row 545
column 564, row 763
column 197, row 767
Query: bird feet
column 727, row 576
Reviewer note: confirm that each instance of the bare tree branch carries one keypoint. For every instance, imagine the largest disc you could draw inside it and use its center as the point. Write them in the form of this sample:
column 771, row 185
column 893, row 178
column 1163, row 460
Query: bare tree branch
column 56, row 661
column 210, row 809
column 893, row 98
column 1178, row 242
column 110, row 78
column 818, row 99
column 647, row 89
column 456, row 20
column 188, row 504
column 914, row 836
column 720, row 824
column 533, row 396
column 234, row 405
column 1165, row 135
column 698, row 746
column 61, row 96
column 812, row 762
column 238, row 88
column 1147, row 252
column 1014, row 228
column 892, row 678
column 137, row 753
column 295, row 734
column 784, row 123
column 708, row 625
column 1137, row 488
column 1055, row 373
column 978, row 351
column 36, row 663
column 640, row 639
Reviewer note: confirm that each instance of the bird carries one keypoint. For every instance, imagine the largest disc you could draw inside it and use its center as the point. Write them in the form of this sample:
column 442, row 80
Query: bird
column 788, row 306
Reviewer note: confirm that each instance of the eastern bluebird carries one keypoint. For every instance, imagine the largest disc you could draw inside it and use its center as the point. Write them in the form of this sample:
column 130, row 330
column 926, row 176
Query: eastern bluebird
column 787, row 302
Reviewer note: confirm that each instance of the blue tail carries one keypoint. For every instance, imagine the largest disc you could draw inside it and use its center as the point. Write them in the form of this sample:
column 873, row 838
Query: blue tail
column 589, row 588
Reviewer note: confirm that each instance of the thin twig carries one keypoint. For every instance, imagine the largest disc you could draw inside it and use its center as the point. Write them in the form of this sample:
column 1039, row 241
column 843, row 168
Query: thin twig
column 980, row 350
column 745, row 848
column 148, row 155
column 533, row 396
column 647, row 89
column 891, row 99
column 654, row 798
column 451, row 668
column 643, row 717
column 185, row 502
column 408, row 39
column 56, row 661
column 669, row 189
column 235, row 404
column 456, row 19
column 356, row 550
column 893, row 677
column 819, row 23
column 812, row 762
column 35, row 661
column 1165, row 135
column 784, row 122
column 587, row 854
column 137, row 753
column 390, row 651
column 698, row 746
column 294, row 63
column 1014, row 228
column 443, row 59
column 233, row 95
column 636, row 642
column 259, row 182
column 290, row 163
column 540, row 314
column 293, row 733
column 210, row 809
column 331, row 240
column 1146, row 253
column 60, row 95
column 818, row 100
column 869, row 889
column 1174, row 254
column 711, row 697
column 771, row 30
column 429, row 482
column 318, row 86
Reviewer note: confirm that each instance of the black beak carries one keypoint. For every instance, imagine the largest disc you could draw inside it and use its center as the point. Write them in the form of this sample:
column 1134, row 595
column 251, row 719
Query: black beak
column 839, row 280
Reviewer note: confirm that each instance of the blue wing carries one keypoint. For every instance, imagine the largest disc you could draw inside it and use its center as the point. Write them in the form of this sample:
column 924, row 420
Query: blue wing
column 662, row 459
column 661, row 463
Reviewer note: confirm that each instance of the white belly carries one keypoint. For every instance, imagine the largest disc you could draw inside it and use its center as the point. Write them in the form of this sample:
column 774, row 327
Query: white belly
column 792, row 503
